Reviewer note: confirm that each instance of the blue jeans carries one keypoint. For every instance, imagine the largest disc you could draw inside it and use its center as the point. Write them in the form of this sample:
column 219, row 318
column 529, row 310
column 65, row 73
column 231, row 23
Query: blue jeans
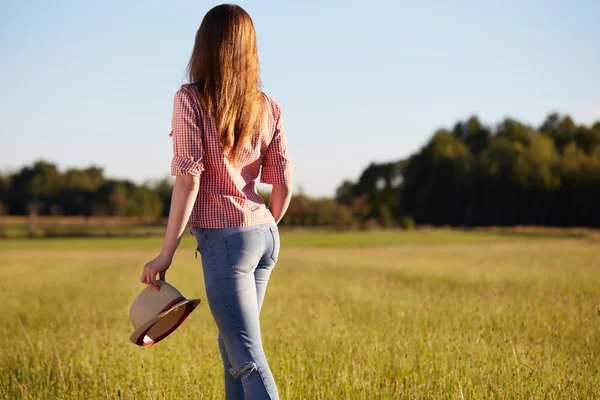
column 237, row 264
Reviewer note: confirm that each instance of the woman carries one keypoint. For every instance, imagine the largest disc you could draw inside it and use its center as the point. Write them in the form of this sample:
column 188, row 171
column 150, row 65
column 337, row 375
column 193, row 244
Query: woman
column 225, row 132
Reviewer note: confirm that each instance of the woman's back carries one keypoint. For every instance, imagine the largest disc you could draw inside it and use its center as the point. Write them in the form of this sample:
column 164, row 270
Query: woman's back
column 227, row 195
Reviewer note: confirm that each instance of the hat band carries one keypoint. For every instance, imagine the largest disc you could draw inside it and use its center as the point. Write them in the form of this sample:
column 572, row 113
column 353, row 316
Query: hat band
column 171, row 304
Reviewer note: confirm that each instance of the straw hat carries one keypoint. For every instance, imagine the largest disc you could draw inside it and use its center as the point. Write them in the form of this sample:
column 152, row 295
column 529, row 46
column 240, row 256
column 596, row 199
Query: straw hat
column 156, row 314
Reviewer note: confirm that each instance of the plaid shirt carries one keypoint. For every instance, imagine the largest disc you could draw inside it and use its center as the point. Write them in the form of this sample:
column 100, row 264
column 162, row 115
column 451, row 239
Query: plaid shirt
column 227, row 196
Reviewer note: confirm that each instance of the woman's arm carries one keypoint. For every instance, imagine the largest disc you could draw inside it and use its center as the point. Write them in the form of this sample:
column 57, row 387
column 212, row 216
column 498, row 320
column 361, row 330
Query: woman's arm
column 183, row 198
column 279, row 201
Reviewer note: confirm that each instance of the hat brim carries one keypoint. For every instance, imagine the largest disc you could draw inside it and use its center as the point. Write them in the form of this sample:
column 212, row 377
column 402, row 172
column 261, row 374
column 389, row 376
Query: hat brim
column 137, row 336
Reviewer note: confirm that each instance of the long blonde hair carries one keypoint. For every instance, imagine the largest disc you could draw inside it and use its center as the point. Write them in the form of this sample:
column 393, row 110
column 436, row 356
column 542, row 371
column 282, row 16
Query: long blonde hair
column 224, row 67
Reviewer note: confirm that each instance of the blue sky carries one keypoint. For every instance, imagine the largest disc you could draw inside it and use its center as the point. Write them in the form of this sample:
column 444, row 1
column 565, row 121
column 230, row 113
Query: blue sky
column 85, row 83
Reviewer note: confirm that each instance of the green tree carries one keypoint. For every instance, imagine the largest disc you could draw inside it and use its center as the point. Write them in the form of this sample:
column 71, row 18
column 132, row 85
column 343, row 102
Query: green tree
column 35, row 188
column 378, row 191
column 164, row 189
column 79, row 186
column 146, row 203
column 437, row 181
column 475, row 135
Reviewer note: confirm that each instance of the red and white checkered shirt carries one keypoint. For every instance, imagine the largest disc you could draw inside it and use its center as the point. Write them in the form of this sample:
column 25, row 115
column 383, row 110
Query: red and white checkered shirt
column 227, row 196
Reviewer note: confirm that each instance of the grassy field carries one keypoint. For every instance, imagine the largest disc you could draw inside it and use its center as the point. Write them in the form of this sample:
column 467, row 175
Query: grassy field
column 386, row 315
column 14, row 227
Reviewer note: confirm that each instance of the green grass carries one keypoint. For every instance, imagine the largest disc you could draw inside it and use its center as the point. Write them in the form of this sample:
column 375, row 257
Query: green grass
column 387, row 315
column 74, row 230
column 317, row 239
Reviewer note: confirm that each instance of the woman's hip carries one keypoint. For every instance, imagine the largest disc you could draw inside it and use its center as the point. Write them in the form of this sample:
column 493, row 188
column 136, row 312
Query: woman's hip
column 238, row 249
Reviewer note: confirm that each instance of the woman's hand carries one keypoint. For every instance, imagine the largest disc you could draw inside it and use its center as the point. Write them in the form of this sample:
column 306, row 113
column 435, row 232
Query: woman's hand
column 158, row 266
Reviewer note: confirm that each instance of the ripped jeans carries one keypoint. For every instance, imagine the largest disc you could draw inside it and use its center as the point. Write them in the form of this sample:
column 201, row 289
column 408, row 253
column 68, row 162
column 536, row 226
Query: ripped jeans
column 237, row 263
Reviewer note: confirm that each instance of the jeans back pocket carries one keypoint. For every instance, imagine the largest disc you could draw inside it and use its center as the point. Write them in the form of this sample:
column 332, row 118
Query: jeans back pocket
column 243, row 251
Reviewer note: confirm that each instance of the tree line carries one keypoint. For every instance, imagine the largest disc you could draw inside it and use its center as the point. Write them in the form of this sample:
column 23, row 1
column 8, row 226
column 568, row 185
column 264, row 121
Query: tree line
column 42, row 189
column 470, row 175
column 476, row 175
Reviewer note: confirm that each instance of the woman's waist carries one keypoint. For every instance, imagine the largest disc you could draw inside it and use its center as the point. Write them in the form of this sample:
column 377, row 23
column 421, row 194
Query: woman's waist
column 229, row 204
column 228, row 214
column 243, row 196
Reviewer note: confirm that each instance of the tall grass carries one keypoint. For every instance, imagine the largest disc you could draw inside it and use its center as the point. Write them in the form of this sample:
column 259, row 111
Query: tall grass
column 347, row 316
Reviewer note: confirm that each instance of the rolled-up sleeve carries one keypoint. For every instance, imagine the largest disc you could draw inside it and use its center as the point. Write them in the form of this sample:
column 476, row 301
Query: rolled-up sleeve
column 187, row 138
column 276, row 166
